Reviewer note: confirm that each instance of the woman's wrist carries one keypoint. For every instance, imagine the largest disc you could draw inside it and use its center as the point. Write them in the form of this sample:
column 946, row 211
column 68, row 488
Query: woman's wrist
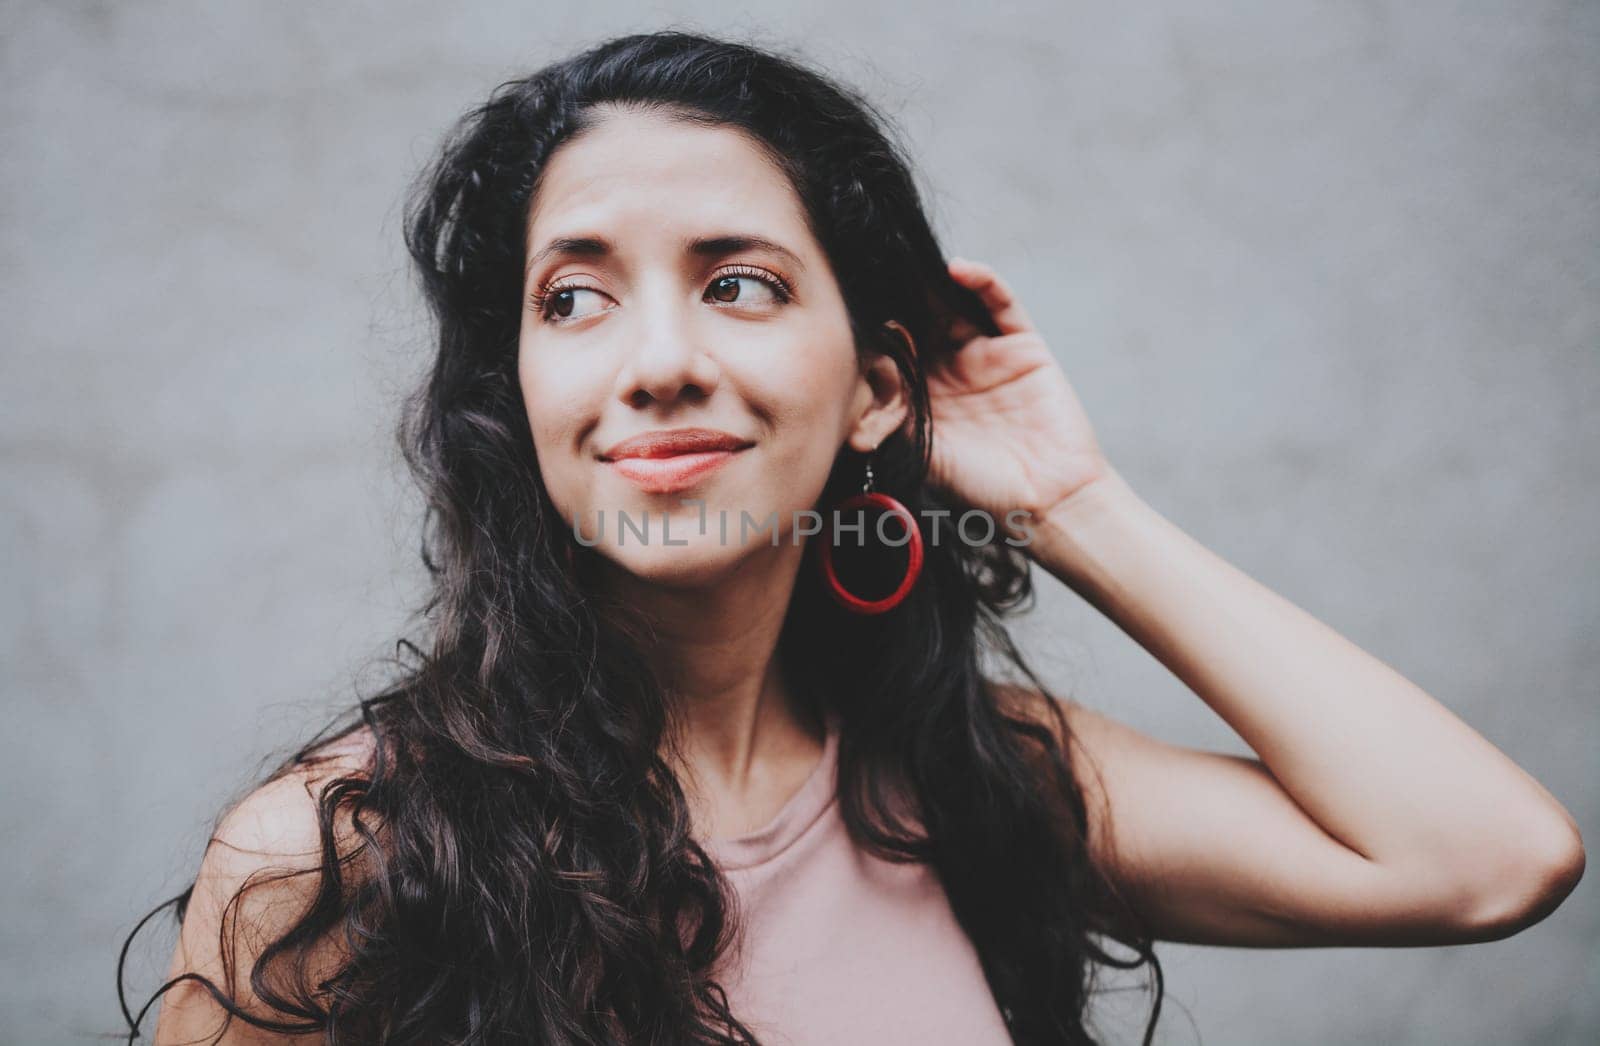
column 1074, row 537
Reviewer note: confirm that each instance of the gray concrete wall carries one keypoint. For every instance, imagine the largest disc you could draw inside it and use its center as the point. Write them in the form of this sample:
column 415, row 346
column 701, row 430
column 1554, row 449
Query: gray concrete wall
column 1324, row 275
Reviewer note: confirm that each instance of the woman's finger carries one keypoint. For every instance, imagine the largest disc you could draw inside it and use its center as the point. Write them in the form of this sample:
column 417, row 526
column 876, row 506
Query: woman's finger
column 997, row 295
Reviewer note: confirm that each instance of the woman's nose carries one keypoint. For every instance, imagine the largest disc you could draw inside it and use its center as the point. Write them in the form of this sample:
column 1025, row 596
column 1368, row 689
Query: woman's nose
column 670, row 361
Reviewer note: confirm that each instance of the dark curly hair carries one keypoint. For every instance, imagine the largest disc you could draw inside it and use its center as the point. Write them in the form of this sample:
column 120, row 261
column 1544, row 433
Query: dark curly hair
column 514, row 862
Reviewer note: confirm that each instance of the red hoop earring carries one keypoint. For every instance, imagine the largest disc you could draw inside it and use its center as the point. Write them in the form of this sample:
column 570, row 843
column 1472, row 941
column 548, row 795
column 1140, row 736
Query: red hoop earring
column 849, row 600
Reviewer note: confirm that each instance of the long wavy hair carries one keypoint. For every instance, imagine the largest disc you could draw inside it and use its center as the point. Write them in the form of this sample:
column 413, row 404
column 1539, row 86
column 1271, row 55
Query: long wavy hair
column 520, row 866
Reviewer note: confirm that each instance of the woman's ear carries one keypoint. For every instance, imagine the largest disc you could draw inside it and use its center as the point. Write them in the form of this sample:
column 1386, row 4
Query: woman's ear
column 888, row 403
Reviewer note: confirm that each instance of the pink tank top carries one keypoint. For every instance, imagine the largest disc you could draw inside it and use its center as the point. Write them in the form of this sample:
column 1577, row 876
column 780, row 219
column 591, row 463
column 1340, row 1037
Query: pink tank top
column 842, row 947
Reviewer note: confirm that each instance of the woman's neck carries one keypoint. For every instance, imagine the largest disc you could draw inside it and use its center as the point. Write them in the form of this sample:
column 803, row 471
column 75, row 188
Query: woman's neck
column 737, row 727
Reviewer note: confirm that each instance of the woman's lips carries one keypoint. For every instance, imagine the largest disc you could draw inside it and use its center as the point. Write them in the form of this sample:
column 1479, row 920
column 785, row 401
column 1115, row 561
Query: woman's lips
column 673, row 473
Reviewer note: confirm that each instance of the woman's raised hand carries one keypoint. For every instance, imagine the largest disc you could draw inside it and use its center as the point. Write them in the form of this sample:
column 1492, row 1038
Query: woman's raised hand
column 1008, row 430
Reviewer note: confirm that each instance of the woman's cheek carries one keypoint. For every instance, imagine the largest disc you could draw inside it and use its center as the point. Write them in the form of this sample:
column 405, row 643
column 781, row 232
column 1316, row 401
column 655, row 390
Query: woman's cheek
column 559, row 460
column 803, row 456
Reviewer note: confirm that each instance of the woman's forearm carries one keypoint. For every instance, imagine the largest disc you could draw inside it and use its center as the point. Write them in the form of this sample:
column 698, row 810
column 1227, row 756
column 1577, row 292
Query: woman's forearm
column 1380, row 764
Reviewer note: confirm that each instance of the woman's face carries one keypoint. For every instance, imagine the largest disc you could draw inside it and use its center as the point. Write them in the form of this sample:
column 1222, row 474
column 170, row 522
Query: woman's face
column 672, row 283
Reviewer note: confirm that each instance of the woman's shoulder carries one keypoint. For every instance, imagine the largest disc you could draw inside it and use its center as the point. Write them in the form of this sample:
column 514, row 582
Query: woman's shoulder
column 280, row 821
column 279, row 824
column 353, row 749
column 261, row 869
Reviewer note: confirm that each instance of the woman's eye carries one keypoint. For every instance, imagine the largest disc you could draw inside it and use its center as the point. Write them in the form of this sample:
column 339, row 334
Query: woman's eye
column 726, row 288
column 559, row 302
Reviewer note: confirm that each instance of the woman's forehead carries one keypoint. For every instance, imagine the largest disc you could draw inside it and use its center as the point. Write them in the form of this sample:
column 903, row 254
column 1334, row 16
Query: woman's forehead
column 637, row 175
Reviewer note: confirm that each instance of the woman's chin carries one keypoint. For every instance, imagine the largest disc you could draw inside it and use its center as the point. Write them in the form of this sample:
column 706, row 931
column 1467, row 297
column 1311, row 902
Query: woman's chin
column 700, row 561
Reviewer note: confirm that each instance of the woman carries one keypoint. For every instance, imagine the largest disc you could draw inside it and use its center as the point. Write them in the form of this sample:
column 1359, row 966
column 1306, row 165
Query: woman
column 684, row 282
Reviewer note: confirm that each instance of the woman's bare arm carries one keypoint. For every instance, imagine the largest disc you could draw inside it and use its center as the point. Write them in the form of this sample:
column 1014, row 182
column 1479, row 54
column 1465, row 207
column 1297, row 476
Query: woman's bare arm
column 1373, row 815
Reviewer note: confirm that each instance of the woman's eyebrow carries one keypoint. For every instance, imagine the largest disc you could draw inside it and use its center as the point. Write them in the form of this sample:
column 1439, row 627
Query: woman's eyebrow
column 733, row 243
column 702, row 247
